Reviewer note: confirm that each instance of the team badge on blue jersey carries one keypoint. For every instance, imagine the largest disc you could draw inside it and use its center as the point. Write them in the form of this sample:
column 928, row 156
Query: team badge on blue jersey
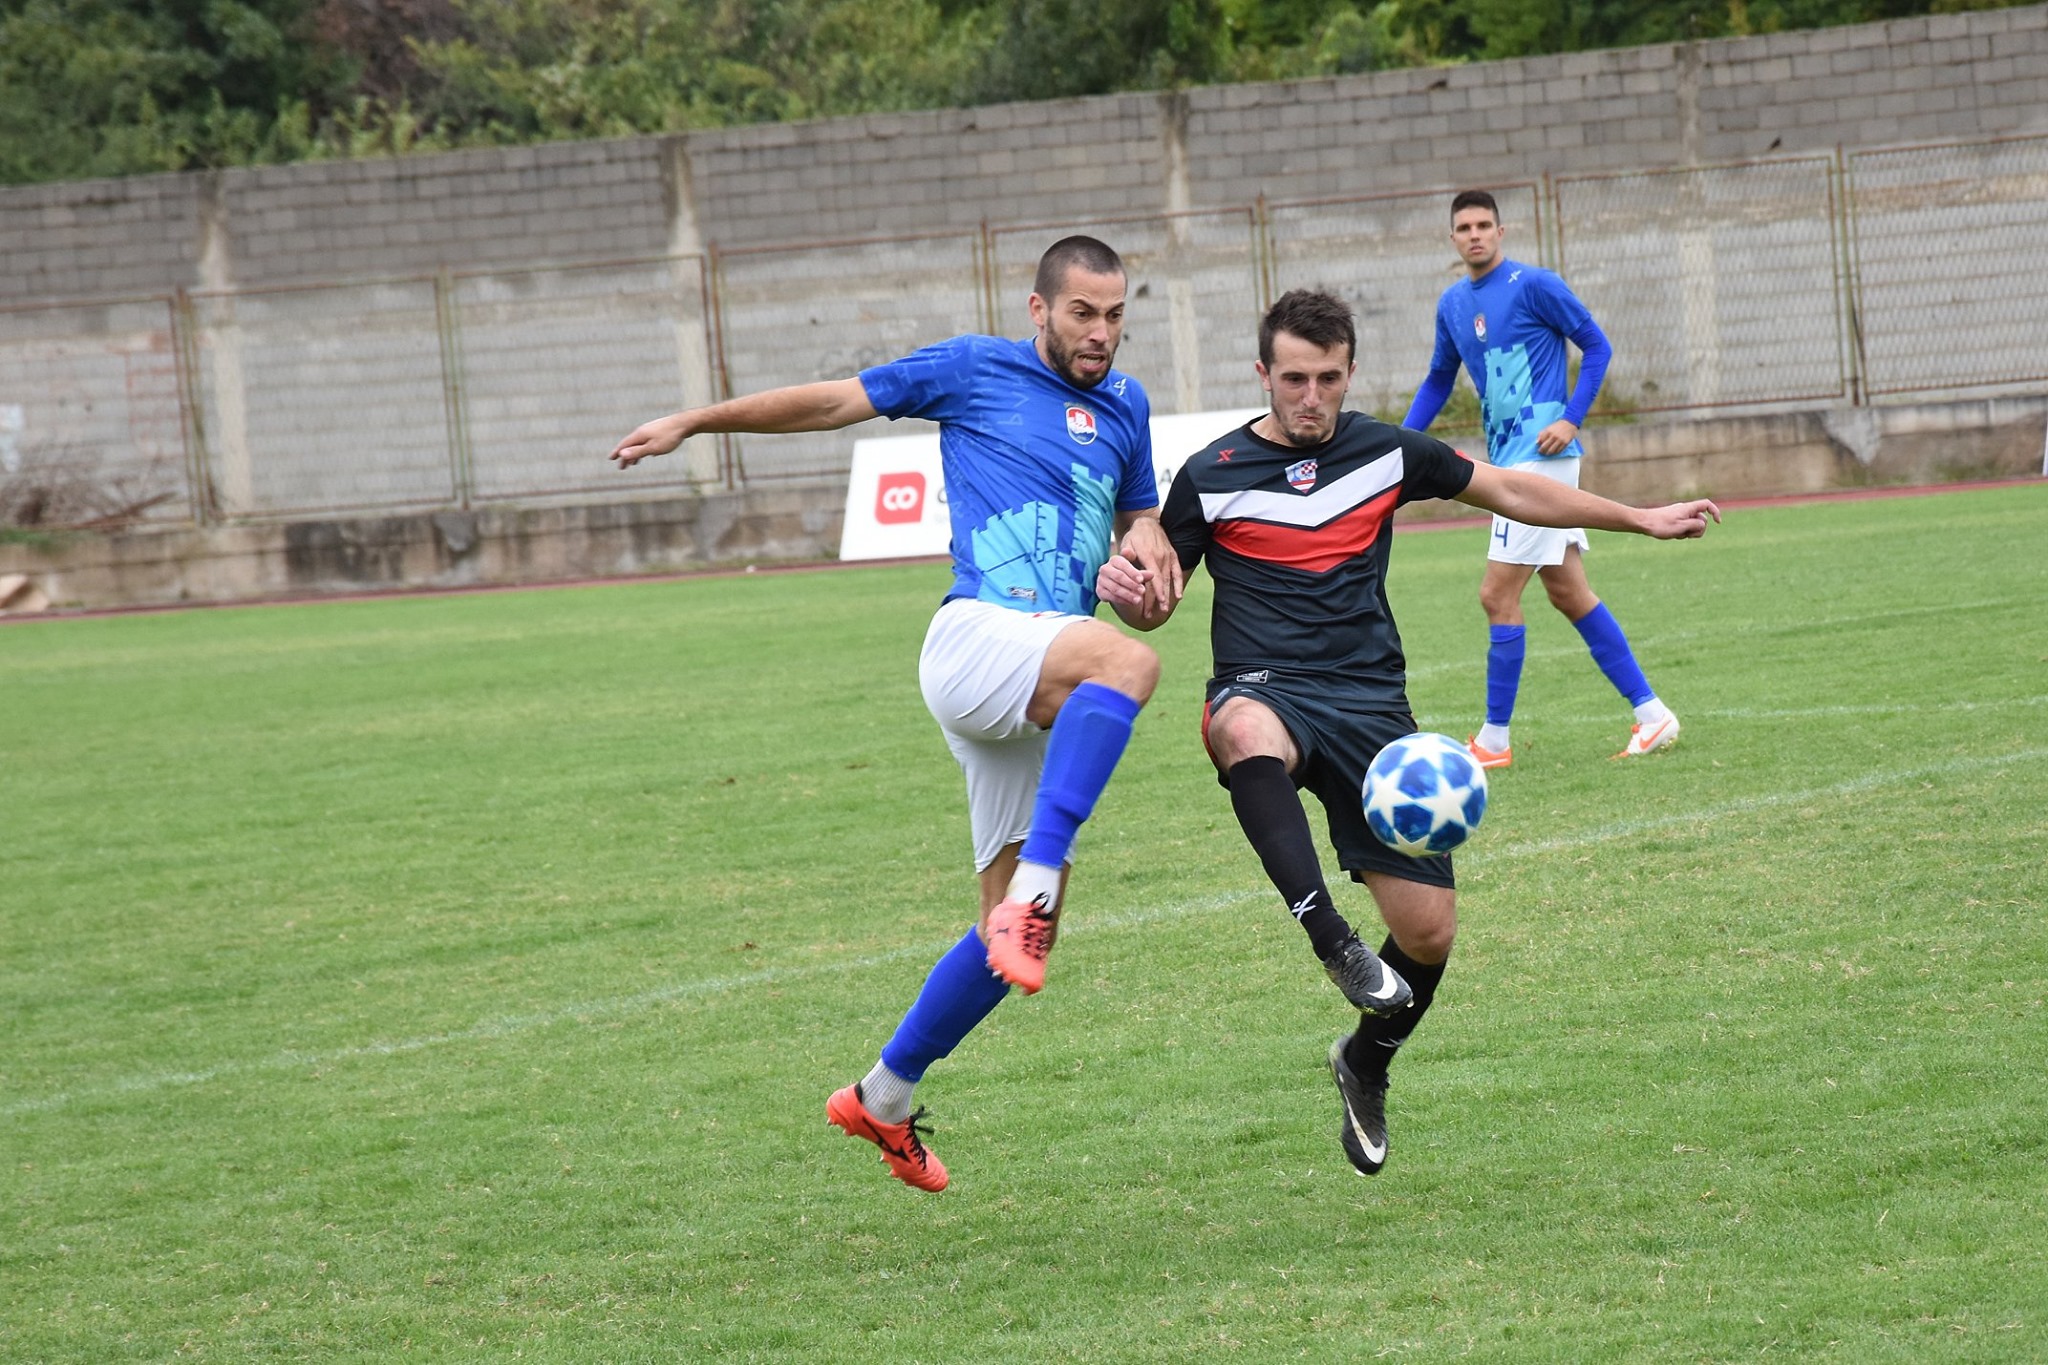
column 1081, row 424
column 1302, row 474
column 1479, row 325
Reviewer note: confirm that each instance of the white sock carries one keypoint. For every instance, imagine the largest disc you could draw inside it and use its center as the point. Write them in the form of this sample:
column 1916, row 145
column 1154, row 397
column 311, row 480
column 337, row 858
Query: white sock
column 1492, row 738
column 886, row 1094
column 1032, row 880
column 1652, row 713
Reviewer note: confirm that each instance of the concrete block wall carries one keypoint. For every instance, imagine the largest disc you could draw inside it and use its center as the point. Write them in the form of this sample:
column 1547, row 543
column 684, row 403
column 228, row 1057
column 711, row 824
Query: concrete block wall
column 1729, row 458
column 1938, row 77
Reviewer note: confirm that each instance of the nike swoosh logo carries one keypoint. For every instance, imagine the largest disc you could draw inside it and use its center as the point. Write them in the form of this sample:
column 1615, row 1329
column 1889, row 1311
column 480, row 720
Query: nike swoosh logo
column 1372, row 1153
column 1656, row 734
column 1386, row 991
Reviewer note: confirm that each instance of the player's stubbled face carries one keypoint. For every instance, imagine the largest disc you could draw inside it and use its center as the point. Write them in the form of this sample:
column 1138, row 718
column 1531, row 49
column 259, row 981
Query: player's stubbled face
column 1477, row 238
column 1081, row 326
column 1308, row 385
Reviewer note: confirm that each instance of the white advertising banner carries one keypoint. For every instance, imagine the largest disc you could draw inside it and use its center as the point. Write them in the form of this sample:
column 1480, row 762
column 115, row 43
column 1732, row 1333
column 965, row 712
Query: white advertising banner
column 896, row 494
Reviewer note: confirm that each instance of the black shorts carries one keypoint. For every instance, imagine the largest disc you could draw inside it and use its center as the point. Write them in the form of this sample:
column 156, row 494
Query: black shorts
column 1338, row 737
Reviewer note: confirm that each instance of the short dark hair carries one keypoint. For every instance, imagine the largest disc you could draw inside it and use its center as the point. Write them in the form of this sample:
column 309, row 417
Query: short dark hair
column 1475, row 199
column 1064, row 255
column 1315, row 315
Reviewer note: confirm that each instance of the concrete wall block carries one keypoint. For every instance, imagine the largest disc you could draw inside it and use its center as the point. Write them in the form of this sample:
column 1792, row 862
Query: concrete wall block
column 2020, row 43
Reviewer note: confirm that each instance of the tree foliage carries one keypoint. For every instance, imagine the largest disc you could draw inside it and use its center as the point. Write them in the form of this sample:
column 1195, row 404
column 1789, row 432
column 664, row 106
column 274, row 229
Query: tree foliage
column 114, row 87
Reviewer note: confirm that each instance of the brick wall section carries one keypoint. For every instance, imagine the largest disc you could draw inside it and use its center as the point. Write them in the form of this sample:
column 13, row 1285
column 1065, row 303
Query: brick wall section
column 1939, row 77
column 505, row 207
column 99, row 238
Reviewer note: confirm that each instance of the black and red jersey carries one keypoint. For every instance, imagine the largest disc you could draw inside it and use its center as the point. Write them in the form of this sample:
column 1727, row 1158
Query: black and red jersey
column 1297, row 541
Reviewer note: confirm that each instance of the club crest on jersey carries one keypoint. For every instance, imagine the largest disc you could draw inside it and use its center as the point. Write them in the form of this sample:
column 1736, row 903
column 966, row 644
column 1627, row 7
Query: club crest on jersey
column 1479, row 325
column 1081, row 424
column 1302, row 474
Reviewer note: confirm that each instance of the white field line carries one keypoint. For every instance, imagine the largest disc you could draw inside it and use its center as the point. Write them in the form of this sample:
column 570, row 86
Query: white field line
column 508, row 1025
column 1475, row 658
column 1902, row 708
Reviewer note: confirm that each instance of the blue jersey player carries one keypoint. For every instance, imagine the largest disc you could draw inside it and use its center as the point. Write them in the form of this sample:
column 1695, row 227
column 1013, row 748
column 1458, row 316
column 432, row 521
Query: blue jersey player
column 1507, row 323
column 1047, row 459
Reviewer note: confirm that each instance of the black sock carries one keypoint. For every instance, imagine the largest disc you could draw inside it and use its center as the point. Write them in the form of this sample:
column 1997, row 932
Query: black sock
column 1377, row 1040
column 1269, row 809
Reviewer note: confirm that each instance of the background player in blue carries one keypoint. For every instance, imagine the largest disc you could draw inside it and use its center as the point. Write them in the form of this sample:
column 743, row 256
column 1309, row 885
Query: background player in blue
column 1047, row 459
column 1507, row 323
column 1293, row 514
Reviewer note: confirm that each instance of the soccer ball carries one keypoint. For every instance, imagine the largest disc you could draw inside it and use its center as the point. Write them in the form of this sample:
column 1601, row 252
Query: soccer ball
column 1424, row 795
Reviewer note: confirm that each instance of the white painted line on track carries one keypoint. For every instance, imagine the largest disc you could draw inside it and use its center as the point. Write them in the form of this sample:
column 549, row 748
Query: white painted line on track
column 512, row 1024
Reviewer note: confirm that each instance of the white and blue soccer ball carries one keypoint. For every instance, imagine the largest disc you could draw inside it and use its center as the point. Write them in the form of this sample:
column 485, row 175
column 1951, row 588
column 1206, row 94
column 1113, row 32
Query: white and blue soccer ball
column 1424, row 795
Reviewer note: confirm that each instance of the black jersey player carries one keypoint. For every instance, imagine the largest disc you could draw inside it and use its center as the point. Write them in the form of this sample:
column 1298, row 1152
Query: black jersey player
column 1293, row 515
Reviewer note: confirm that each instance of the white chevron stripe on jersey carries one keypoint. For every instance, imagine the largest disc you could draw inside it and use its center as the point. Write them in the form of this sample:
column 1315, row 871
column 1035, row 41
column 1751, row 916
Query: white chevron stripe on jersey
column 1326, row 504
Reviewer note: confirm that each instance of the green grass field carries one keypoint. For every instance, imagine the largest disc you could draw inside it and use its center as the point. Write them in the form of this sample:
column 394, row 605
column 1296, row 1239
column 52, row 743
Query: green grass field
column 462, row 978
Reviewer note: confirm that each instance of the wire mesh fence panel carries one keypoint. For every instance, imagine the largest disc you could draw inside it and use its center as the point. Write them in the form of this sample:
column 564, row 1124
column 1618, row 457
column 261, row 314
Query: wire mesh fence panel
column 1390, row 257
column 1192, row 307
column 324, row 399
column 798, row 314
column 558, row 364
column 91, row 430
column 1717, row 285
column 1945, row 240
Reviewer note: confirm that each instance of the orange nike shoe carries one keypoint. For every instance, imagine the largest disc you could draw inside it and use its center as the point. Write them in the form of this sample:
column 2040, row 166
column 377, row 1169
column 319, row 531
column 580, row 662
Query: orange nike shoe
column 1487, row 758
column 908, row 1159
column 1645, row 739
column 1019, row 938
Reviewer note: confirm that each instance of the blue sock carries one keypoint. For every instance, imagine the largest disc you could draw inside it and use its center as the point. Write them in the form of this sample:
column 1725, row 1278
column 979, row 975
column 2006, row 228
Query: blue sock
column 1505, row 647
column 1088, row 737
column 959, row 993
column 1602, row 634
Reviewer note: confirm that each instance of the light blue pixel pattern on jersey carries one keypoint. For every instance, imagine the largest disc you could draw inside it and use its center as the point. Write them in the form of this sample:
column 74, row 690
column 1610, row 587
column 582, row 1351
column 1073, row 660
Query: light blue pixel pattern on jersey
column 1035, row 468
column 1509, row 328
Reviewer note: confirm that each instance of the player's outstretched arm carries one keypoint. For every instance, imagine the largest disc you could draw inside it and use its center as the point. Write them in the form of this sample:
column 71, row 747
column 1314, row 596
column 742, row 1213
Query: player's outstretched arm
column 825, row 406
column 1143, row 580
column 1538, row 501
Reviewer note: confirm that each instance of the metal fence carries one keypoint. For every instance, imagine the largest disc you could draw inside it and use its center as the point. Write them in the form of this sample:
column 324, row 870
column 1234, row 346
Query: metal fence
column 1835, row 278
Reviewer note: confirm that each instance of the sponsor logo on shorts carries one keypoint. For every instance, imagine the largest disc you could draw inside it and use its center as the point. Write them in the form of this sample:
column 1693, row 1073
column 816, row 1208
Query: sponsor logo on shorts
column 1081, row 424
column 1257, row 675
column 1302, row 474
column 899, row 498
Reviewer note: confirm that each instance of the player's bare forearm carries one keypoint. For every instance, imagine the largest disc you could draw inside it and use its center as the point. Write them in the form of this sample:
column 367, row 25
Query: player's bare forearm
column 1537, row 501
column 825, row 406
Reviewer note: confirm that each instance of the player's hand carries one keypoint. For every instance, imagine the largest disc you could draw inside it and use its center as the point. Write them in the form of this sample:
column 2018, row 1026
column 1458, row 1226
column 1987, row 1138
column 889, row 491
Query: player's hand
column 1555, row 437
column 1146, row 546
column 1123, row 584
column 658, row 437
column 1682, row 520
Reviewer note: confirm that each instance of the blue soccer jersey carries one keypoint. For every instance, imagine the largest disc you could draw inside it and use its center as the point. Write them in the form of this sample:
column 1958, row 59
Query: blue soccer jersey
column 1509, row 329
column 1036, row 470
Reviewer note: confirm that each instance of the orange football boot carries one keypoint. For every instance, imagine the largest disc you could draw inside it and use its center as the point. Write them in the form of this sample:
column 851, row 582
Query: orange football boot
column 1487, row 758
column 1019, row 937
column 908, row 1159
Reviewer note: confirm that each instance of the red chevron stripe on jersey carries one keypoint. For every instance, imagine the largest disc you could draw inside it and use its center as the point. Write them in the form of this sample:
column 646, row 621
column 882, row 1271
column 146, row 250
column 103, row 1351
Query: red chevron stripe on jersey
column 1315, row 549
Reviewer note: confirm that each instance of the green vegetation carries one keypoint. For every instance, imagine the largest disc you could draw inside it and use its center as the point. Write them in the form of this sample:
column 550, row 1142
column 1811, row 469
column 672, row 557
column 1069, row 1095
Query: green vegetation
column 114, row 87
column 462, row 978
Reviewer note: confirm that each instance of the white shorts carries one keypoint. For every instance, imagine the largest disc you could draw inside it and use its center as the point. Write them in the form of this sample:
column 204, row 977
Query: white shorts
column 978, row 670
column 1515, row 543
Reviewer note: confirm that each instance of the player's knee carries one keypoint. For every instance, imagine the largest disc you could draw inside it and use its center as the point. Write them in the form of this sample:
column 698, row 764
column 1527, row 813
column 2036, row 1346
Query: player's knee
column 1131, row 668
column 1501, row 608
column 1428, row 943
